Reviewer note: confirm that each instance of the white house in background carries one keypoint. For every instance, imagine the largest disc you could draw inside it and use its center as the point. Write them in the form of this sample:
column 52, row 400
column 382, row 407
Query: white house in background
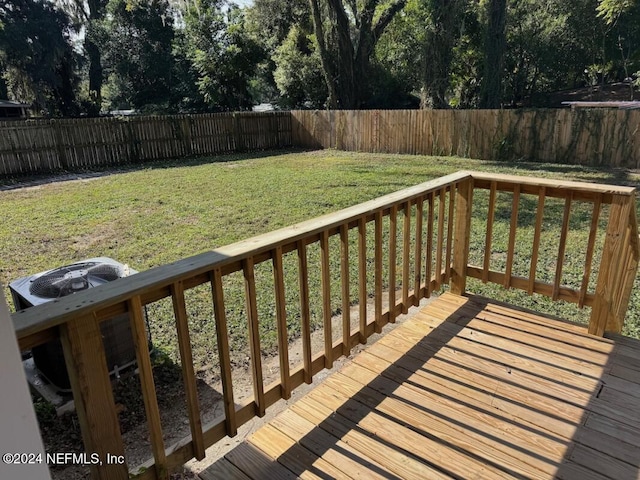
column 10, row 110
column 263, row 107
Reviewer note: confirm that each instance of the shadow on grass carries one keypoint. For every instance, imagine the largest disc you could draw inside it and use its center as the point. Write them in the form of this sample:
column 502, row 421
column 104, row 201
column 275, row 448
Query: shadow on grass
column 614, row 175
column 22, row 181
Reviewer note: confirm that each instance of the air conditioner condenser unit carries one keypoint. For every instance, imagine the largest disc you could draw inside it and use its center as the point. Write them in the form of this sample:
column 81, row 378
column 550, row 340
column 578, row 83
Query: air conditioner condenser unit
column 47, row 286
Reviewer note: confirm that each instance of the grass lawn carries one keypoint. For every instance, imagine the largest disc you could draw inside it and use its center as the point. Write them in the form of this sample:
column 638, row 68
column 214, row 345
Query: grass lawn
column 170, row 210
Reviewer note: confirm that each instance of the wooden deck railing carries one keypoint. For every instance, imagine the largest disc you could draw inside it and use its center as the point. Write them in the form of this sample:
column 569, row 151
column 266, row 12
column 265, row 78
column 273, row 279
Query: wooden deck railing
column 619, row 253
column 428, row 250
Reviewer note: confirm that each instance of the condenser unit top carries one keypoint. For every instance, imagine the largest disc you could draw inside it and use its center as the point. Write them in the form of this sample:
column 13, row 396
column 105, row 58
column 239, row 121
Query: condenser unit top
column 62, row 281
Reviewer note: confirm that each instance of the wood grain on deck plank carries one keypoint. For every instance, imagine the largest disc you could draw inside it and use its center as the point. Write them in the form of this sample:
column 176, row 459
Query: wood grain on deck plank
column 466, row 388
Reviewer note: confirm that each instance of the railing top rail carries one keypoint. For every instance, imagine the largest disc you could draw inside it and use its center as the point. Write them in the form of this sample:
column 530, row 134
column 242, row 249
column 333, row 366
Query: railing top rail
column 57, row 312
column 558, row 184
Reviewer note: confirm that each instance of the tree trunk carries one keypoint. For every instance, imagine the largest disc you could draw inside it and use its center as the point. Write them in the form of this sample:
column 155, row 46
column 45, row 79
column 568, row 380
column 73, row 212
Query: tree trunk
column 96, row 13
column 95, row 76
column 327, row 65
column 438, row 53
column 491, row 93
column 346, row 65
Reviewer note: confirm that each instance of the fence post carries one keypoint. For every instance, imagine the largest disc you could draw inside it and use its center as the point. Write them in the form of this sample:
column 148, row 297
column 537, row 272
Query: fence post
column 603, row 312
column 134, row 147
column 462, row 232
column 237, row 131
column 62, row 154
column 185, row 125
column 87, row 367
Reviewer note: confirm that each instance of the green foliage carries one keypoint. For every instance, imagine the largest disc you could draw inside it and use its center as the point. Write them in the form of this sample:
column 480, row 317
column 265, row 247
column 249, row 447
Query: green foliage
column 136, row 40
column 287, row 74
column 298, row 73
column 222, row 54
column 270, row 21
column 209, row 55
column 399, row 51
column 36, row 56
column 611, row 10
column 537, row 44
column 347, row 34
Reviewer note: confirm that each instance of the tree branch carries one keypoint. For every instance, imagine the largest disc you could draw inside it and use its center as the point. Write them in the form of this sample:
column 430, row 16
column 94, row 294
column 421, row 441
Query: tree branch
column 386, row 18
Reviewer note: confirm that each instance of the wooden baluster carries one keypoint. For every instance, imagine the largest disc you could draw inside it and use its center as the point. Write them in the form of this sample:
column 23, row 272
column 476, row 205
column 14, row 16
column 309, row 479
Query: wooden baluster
column 406, row 250
column 536, row 239
column 147, row 385
column 188, row 375
column 378, row 271
column 92, row 395
column 450, row 220
column 417, row 286
column 593, row 233
column 305, row 317
column 362, row 278
column 462, row 236
column 440, row 240
column 602, row 313
column 393, row 230
column 254, row 335
column 429, row 248
column 222, row 337
column 281, row 322
column 326, row 299
column 344, row 274
column 512, row 236
column 561, row 248
column 489, row 234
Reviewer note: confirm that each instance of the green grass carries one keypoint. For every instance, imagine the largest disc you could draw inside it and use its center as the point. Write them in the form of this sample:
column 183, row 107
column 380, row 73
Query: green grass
column 167, row 211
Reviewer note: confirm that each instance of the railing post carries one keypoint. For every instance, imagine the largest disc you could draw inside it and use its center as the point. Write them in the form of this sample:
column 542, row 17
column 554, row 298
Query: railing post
column 631, row 265
column 462, row 233
column 87, row 367
column 610, row 277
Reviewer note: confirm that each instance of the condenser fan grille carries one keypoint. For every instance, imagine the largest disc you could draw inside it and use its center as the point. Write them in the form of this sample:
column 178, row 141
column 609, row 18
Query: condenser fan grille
column 67, row 280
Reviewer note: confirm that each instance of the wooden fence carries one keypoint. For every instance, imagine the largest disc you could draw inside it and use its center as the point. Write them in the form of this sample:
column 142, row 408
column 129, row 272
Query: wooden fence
column 35, row 146
column 597, row 137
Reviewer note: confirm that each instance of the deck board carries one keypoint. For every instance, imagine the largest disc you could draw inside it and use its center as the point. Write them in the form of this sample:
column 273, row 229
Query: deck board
column 467, row 388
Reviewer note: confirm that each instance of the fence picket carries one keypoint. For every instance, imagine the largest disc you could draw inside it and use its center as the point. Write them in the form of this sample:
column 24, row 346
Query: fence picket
column 37, row 146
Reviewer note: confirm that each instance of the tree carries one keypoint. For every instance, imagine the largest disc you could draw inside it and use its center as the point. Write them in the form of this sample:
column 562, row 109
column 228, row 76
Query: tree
column 622, row 18
column 441, row 34
column 538, row 56
column 346, row 41
column 37, row 57
column 298, row 74
column 222, row 53
column 95, row 15
column 491, row 93
column 269, row 24
column 88, row 14
column 136, row 38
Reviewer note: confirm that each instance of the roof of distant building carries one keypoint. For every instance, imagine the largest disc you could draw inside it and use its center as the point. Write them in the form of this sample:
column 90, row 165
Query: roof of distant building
column 11, row 103
column 621, row 105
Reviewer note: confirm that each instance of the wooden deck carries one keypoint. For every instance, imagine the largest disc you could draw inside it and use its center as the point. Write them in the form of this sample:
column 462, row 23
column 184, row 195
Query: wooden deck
column 465, row 389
